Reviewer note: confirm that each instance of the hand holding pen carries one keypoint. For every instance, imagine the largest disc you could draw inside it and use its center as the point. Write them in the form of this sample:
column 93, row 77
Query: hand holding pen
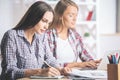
column 63, row 71
column 50, row 71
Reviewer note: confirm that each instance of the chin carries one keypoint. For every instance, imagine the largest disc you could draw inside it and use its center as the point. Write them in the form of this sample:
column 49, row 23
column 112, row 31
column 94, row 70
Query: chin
column 72, row 27
column 39, row 32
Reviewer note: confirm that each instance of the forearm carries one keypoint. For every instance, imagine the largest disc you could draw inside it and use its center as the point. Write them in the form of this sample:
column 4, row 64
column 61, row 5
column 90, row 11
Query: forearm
column 60, row 69
column 42, row 72
column 14, row 73
column 76, row 64
column 20, row 73
column 90, row 64
column 31, row 72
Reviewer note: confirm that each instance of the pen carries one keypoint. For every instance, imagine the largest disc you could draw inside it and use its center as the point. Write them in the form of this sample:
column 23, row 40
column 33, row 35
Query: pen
column 47, row 64
column 110, row 59
column 119, row 59
column 114, row 59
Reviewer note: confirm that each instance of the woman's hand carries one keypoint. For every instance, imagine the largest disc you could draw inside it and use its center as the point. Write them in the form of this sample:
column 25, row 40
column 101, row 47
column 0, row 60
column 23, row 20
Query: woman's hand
column 65, row 70
column 92, row 64
column 51, row 71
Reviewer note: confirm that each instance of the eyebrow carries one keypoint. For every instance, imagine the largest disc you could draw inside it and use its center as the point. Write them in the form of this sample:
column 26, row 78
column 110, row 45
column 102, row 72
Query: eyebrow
column 47, row 20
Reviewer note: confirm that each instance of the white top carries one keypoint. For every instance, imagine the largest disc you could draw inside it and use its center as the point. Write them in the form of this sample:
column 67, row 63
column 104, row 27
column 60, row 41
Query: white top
column 64, row 51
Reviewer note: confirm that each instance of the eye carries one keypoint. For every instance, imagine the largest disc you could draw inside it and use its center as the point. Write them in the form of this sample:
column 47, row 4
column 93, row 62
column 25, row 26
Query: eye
column 70, row 15
column 44, row 20
column 50, row 23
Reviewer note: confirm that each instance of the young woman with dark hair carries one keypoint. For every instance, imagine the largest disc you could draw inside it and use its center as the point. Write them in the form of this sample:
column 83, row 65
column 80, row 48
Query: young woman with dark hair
column 23, row 52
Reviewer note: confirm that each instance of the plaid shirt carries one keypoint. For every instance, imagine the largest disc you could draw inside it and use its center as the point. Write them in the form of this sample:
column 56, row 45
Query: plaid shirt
column 18, row 54
column 74, row 40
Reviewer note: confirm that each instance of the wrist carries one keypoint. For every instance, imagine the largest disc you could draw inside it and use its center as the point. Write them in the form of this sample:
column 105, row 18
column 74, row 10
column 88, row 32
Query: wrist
column 82, row 64
column 61, row 70
column 65, row 64
column 31, row 72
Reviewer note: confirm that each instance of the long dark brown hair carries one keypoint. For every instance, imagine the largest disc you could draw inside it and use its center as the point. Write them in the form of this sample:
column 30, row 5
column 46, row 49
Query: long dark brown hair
column 33, row 15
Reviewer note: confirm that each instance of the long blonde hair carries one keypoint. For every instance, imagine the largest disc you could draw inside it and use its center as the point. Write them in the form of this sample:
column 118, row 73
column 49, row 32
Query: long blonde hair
column 59, row 10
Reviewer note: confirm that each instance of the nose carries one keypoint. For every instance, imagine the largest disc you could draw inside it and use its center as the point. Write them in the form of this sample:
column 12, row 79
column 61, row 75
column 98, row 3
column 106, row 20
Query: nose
column 46, row 26
column 75, row 18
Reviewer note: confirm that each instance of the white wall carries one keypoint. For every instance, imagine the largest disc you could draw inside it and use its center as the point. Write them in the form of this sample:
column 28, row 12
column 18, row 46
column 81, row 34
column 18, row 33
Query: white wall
column 106, row 25
column 109, row 42
column 11, row 12
column 107, row 16
column 118, row 16
column 5, row 16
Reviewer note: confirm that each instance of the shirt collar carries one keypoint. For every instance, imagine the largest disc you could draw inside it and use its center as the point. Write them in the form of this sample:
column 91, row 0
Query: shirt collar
column 21, row 33
column 70, row 32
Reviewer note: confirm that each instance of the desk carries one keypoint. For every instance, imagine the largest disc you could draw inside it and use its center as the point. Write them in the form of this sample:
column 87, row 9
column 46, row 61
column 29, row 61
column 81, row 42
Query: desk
column 58, row 79
column 75, row 75
column 62, row 79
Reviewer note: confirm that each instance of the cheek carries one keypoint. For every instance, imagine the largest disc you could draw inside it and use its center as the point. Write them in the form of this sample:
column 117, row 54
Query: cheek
column 39, row 25
column 69, row 19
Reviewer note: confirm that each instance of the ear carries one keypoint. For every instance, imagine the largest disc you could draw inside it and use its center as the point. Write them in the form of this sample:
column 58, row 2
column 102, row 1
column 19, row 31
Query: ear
column 61, row 18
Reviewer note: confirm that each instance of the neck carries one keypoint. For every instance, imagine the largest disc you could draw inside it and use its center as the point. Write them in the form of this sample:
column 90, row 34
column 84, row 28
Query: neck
column 62, row 32
column 29, row 35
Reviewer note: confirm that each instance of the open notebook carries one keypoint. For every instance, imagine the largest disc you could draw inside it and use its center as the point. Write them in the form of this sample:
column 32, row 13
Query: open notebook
column 44, row 77
column 89, row 73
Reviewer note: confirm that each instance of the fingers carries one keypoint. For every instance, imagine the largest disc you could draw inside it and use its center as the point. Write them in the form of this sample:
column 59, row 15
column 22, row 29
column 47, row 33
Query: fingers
column 50, row 72
column 98, row 61
column 91, row 64
column 53, row 72
column 67, row 69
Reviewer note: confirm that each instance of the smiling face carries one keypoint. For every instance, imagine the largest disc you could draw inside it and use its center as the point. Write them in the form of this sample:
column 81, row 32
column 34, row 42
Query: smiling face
column 69, row 17
column 43, row 24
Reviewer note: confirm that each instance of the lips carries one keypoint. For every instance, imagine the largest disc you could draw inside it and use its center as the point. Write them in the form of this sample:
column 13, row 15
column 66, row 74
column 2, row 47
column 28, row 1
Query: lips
column 73, row 23
column 42, row 30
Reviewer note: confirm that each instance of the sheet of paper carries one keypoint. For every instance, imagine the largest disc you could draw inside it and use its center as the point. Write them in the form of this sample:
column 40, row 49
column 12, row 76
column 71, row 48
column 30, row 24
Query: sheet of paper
column 89, row 73
column 43, row 77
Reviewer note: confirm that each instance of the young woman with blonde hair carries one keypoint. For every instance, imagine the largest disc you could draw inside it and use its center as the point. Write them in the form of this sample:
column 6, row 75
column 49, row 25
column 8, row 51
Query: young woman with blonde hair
column 65, row 43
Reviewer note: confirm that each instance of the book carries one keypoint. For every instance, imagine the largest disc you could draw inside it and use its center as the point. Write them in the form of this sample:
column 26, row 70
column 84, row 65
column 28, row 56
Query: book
column 90, row 13
column 94, row 15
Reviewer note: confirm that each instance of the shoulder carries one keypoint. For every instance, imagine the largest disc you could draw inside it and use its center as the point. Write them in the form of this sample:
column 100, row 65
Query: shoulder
column 49, row 31
column 8, row 36
column 9, row 33
column 75, row 33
